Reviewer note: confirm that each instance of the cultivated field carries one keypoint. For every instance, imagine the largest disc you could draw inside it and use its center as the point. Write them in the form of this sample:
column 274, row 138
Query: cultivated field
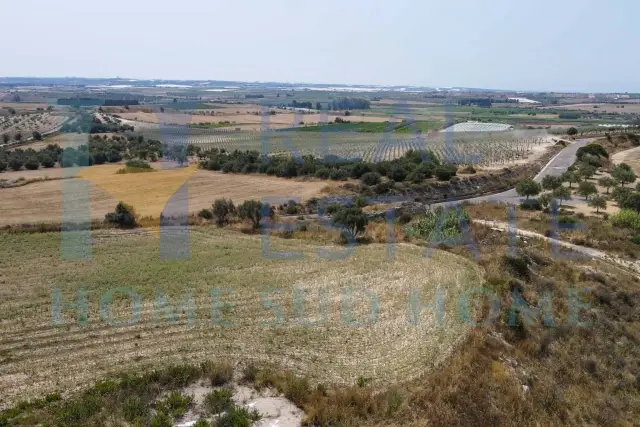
column 28, row 123
column 483, row 148
column 255, row 318
column 250, row 118
column 602, row 108
column 147, row 192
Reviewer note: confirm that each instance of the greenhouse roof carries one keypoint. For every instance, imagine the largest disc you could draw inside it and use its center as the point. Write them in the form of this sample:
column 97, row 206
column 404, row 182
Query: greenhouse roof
column 478, row 127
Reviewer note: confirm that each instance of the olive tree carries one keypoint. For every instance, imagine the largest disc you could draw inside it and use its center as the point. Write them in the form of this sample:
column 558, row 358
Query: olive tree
column 587, row 189
column 528, row 187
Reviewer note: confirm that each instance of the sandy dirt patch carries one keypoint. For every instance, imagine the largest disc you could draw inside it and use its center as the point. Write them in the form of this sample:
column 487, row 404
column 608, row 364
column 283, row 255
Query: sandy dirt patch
column 631, row 157
column 276, row 411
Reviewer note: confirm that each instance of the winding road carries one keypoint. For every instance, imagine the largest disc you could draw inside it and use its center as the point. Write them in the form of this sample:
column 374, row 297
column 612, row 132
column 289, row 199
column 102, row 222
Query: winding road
column 556, row 167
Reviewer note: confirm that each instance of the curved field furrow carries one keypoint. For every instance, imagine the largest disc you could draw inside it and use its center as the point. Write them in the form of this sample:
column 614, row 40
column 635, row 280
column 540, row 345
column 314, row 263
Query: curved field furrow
column 334, row 320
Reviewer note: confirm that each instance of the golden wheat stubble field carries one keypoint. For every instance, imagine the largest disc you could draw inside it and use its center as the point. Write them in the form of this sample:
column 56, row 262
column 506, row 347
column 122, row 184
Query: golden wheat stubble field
column 333, row 319
column 148, row 193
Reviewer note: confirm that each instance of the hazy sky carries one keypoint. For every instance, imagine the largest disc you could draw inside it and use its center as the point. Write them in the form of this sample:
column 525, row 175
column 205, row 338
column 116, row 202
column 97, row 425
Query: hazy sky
column 581, row 45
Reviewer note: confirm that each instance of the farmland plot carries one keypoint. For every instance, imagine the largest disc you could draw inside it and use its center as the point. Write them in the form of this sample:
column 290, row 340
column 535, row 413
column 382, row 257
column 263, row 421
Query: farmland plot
column 26, row 124
column 333, row 320
column 482, row 148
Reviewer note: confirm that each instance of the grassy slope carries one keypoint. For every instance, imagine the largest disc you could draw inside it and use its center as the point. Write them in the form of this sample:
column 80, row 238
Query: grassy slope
column 528, row 375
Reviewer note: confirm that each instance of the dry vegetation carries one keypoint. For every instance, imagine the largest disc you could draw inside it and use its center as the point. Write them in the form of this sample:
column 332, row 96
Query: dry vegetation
column 602, row 108
column 332, row 296
column 43, row 201
column 526, row 374
column 247, row 117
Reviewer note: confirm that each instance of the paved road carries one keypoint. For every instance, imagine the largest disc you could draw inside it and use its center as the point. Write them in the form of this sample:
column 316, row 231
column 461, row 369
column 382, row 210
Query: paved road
column 556, row 167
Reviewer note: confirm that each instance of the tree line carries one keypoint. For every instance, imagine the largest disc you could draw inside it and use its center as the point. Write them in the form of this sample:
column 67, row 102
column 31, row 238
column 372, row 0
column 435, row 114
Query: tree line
column 413, row 166
column 99, row 150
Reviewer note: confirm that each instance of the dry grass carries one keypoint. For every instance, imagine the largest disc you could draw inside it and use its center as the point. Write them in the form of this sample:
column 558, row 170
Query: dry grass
column 245, row 116
column 43, row 201
column 38, row 357
column 631, row 157
column 602, row 108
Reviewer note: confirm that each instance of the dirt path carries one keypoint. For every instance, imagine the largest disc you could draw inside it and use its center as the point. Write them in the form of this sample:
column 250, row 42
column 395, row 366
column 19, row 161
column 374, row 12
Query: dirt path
column 590, row 252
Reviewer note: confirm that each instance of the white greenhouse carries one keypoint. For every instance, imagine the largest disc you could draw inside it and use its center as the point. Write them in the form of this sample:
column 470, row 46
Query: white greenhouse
column 478, row 127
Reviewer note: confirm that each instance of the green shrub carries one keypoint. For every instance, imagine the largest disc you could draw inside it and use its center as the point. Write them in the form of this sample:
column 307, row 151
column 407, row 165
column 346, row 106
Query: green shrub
column 338, row 175
column 134, row 408
column 161, row 420
column 205, row 214
column 219, row 401
column 593, row 149
column 323, row 173
column 175, row 404
column 138, row 164
column 635, row 240
column 626, row 218
column 47, row 161
column 123, row 216
column 32, row 164
column 371, row 178
column 445, row 172
column 531, row 205
column 238, row 417
column 351, row 218
column 439, row 225
column 223, row 210
column 292, row 210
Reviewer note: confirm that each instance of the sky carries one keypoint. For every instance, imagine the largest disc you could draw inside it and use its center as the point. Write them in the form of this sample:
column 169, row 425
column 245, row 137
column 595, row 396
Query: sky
column 559, row 45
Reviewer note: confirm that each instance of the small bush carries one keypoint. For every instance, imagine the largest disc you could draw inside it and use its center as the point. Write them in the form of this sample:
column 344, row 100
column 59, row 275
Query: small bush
column 292, row 210
column 205, row 214
column 323, row 173
column 134, row 408
column 519, row 265
column 445, row 172
column 138, row 164
column 371, row 178
column 250, row 374
column 626, row 218
column 338, row 175
column 123, row 216
column 47, row 161
column 223, row 210
column 531, row 205
column 635, row 240
column 405, row 218
column 32, row 164
column 220, row 373
column 238, row 417
column 219, row 401
column 175, row 404
column 162, row 420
